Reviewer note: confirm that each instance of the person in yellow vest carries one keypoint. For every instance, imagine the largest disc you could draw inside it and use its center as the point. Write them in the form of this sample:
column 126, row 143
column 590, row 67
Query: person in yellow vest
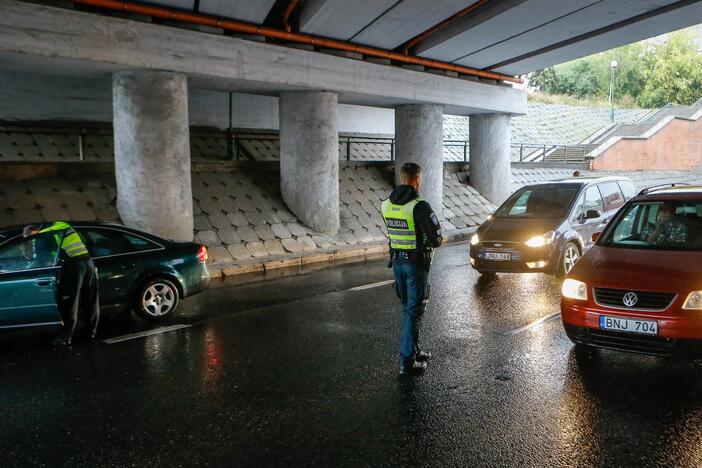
column 413, row 232
column 78, row 278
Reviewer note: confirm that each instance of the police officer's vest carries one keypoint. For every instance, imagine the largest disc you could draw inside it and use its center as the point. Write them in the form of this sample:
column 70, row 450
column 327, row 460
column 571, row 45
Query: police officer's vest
column 71, row 243
column 399, row 220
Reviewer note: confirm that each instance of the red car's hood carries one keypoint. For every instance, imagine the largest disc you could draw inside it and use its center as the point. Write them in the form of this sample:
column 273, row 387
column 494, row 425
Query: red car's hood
column 640, row 270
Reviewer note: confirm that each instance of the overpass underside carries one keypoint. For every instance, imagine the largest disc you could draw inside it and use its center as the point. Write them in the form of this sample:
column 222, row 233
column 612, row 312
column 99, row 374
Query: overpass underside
column 151, row 67
column 153, row 64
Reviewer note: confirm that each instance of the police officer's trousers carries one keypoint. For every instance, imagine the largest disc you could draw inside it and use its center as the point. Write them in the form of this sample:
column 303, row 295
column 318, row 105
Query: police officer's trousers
column 411, row 288
column 82, row 286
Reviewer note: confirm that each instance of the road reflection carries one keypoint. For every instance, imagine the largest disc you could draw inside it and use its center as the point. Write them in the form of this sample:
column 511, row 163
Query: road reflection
column 212, row 357
column 616, row 407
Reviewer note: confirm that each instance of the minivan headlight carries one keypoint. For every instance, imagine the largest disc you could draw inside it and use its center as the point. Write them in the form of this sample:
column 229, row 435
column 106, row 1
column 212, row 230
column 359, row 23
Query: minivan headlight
column 693, row 301
column 474, row 240
column 574, row 289
column 543, row 239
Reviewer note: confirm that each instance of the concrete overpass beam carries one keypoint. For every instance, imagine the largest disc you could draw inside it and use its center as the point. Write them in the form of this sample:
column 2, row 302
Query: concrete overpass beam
column 152, row 153
column 490, row 161
column 309, row 157
column 419, row 136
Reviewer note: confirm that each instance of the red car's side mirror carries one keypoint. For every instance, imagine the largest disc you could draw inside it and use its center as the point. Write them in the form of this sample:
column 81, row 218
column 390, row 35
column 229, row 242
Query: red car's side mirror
column 596, row 236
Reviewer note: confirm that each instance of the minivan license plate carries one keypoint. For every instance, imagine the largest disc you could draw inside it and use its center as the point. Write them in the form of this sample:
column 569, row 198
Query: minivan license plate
column 645, row 327
column 498, row 256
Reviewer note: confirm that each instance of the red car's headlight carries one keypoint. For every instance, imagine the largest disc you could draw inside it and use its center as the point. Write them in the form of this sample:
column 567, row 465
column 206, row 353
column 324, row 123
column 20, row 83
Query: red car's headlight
column 574, row 289
column 693, row 301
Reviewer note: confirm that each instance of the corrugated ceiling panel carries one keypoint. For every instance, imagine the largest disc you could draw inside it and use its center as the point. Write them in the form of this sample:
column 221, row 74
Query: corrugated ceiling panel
column 340, row 19
column 184, row 4
column 408, row 19
column 253, row 11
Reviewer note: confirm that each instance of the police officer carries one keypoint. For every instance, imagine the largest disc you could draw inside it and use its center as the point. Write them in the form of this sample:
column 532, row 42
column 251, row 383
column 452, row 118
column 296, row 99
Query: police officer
column 78, row 276
column 414, row 232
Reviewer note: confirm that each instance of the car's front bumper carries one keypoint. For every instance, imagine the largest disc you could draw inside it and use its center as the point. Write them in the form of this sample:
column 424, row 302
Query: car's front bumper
column 679, row 331
column 657, row 345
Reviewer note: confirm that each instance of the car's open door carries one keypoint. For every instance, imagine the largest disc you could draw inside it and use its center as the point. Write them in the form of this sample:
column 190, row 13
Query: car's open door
column 28, row 281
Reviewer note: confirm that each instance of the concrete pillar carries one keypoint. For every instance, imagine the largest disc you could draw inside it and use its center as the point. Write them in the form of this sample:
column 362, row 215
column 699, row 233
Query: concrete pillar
column 309, row 158
column 419, row 137
column 152, row 153
column 490, row 160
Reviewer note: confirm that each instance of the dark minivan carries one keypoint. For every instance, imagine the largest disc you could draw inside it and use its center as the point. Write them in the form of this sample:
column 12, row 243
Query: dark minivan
column 547, row 227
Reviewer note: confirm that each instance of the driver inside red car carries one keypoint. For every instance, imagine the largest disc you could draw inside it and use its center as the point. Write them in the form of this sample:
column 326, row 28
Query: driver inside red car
column 668, row 229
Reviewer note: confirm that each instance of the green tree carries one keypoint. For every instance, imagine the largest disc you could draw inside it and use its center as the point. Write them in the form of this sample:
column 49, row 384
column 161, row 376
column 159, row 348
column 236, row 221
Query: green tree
column 650, row 75
column 673, row 73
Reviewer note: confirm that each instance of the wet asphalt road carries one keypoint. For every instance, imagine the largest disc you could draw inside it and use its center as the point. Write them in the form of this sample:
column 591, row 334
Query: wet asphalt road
column 302, row 370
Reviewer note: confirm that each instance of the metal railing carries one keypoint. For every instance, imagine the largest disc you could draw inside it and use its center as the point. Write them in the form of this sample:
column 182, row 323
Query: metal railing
column 242, row 146
column 653, row 114
column 77, row 139
column 382, row 145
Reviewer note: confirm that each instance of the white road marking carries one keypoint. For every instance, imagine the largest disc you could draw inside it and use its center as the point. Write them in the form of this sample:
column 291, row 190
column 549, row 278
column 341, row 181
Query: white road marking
column 372, row 285
column 155, row 331
column 533, row 324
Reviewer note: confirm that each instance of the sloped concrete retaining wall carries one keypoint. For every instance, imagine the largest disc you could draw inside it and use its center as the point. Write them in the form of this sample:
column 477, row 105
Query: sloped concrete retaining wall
column 240, row 215
column 238, row 209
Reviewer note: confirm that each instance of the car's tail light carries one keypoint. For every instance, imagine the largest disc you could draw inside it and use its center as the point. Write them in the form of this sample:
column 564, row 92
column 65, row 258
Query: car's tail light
column 202, row 254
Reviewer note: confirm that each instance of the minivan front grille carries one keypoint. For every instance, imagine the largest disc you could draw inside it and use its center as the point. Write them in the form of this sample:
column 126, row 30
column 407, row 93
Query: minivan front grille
column 644, row 300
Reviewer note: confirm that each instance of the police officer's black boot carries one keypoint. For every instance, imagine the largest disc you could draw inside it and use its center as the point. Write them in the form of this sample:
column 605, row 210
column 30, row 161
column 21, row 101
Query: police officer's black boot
column 416, row 367
column 61, row 341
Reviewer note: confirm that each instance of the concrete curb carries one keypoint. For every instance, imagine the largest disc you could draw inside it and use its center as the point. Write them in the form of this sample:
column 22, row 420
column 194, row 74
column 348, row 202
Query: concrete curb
column 356, row 253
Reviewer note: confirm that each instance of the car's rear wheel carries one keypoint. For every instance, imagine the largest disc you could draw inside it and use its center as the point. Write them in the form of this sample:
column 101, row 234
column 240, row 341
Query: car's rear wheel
column 571, row 255
column 156, row 300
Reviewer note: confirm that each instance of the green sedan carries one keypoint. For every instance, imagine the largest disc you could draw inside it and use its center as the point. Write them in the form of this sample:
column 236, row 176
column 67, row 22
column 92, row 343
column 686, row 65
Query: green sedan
column 137, row 271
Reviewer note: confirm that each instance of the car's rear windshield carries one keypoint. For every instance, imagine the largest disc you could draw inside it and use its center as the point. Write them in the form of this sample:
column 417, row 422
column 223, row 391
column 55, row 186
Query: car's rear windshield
column 657, row 225
column 547, row 201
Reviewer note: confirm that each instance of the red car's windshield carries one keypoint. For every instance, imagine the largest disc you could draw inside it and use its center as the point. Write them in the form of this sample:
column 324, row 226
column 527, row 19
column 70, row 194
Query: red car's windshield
column 658, row 225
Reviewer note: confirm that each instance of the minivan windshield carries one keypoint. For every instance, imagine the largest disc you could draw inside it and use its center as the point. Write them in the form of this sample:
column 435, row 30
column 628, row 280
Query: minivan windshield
column 658, row 225
column 543, row 201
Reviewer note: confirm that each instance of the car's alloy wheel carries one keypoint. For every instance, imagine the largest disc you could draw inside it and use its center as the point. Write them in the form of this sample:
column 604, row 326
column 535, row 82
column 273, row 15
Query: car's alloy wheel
column 570, row 257
column 157, row 300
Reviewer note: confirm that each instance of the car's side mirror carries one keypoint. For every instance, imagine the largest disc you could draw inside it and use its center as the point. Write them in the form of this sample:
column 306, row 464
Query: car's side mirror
column 592, row 214
column 596, row 236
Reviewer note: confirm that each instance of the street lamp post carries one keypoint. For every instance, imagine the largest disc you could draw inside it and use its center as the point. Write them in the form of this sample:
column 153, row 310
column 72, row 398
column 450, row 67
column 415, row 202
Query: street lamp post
column 611, row 90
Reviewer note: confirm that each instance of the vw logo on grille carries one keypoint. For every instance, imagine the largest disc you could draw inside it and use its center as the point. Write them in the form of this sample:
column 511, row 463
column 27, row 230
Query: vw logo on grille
column 630, row 299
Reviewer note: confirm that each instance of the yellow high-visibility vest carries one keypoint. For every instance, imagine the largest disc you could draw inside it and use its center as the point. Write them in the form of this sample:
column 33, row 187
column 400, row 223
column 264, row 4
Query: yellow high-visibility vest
column 71, row 243
column 399, row 220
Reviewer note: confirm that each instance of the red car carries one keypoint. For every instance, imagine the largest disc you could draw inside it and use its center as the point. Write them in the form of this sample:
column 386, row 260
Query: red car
column 640, row 287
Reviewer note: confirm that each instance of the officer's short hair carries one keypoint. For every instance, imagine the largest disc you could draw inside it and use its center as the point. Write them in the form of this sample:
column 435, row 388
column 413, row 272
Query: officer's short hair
column 410, row 170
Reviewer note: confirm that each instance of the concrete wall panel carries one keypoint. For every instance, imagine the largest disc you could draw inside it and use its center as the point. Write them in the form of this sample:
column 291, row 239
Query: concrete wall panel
column 677, row 146
column 36, row 97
